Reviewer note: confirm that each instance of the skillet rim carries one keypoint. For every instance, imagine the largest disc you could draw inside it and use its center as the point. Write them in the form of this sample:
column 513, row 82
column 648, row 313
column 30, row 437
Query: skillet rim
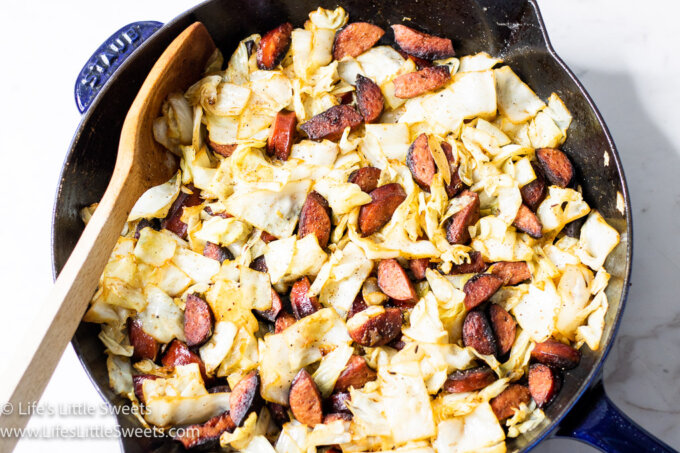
column 594, row 373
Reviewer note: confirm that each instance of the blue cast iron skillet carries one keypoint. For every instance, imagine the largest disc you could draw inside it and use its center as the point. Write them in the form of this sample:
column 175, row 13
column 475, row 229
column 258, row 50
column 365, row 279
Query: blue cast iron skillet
column 510, row 29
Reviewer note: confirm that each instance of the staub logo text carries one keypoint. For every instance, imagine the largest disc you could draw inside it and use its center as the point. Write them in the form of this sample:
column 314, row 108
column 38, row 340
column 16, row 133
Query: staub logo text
column 104, row 60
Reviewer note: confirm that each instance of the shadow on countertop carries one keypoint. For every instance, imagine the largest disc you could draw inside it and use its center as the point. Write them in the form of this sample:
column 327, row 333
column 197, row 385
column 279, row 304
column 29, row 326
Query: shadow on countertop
column 643, row 369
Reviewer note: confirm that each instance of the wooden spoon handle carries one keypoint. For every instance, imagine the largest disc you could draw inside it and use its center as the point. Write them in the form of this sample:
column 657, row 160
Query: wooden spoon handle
column 23, row 380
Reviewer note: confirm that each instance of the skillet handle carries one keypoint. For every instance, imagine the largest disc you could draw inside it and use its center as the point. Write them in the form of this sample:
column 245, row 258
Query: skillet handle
column 107, row 59
column 596, row 421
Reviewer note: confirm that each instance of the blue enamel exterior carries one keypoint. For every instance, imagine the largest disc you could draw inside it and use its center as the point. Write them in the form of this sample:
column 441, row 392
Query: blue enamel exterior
column 596, row 421
column 108, row 57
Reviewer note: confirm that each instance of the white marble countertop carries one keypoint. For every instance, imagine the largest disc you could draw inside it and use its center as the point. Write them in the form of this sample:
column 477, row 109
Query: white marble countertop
column 625, row 53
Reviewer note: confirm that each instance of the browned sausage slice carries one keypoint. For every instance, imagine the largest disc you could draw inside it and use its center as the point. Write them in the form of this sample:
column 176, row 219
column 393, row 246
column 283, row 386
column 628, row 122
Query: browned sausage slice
column 206, row 435
column 421, row 163
column 412, row 84
column 273, row 46
column 138, row 382
column 457, row 226
column 504, row 405
column 345, row 98
column 384, row 201
column 224, row 214
column 334, row 417
column 173, row 221
column 528, row 222
column 244, row 397
column 259, row 264
column 480, row 288
column 332, row 123
column 214, row 251
column 556, row 354
column 198, row 321
column 556, row 166
column 154, row 224
column 470, row 380
column 475, row 266
column 305, row 400
column 394, row 282
column 421, row 44
column 355, row 39
column 282, row 135
column 358, row 305
column 279, row 413
column 512, row 272
column 573, row 228
column 302, row 304
column 420, row 62
column 456, row 184
column 544, row 384
column 220, row 389
column 284, row 321
column 356, row 374
column 179, row 354
column 221, row 149
column 398, row 343
column 366, row 178
column 369, row 99
column 504, row 328
column 478, row 334
column 272, row 313
column 267, row 238
column 337, row 402
column 534, row 192
column 315, row 218
column 376, row 330
column 144, row 345
column 418, row 267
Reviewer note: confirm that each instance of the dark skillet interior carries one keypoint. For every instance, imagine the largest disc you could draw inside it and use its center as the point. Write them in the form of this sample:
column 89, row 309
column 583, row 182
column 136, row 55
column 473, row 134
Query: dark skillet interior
column 510, row 29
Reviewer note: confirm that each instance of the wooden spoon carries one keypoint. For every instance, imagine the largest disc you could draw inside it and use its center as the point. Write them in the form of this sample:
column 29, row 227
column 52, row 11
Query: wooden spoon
column 141, row 163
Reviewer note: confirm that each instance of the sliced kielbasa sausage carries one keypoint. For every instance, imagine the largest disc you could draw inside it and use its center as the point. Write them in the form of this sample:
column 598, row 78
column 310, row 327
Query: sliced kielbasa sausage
column 470, row 380
column 315, row 218
column 384, row 201
column 478, row 334
column 393, row 281
column 305, row 400
column 421, row 44
column 198, row 321
column 273, row 46
column 355, row 39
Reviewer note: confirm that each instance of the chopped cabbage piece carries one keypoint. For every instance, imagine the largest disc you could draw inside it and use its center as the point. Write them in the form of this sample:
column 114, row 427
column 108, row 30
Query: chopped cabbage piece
column 182, row 398
column 198, row 267
column 274, row 212
column 120, row 374
column 154, row 247
column 156, row 201
column 477, row 431
column 425, row 325
column 330, row 368
column 516, row 100
column 560, row 207
column 537, row 310
column 283, row 355
column 256, row 289
column 162, row 318
column 345, row 279
column 597, row 240
column 218, row 347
